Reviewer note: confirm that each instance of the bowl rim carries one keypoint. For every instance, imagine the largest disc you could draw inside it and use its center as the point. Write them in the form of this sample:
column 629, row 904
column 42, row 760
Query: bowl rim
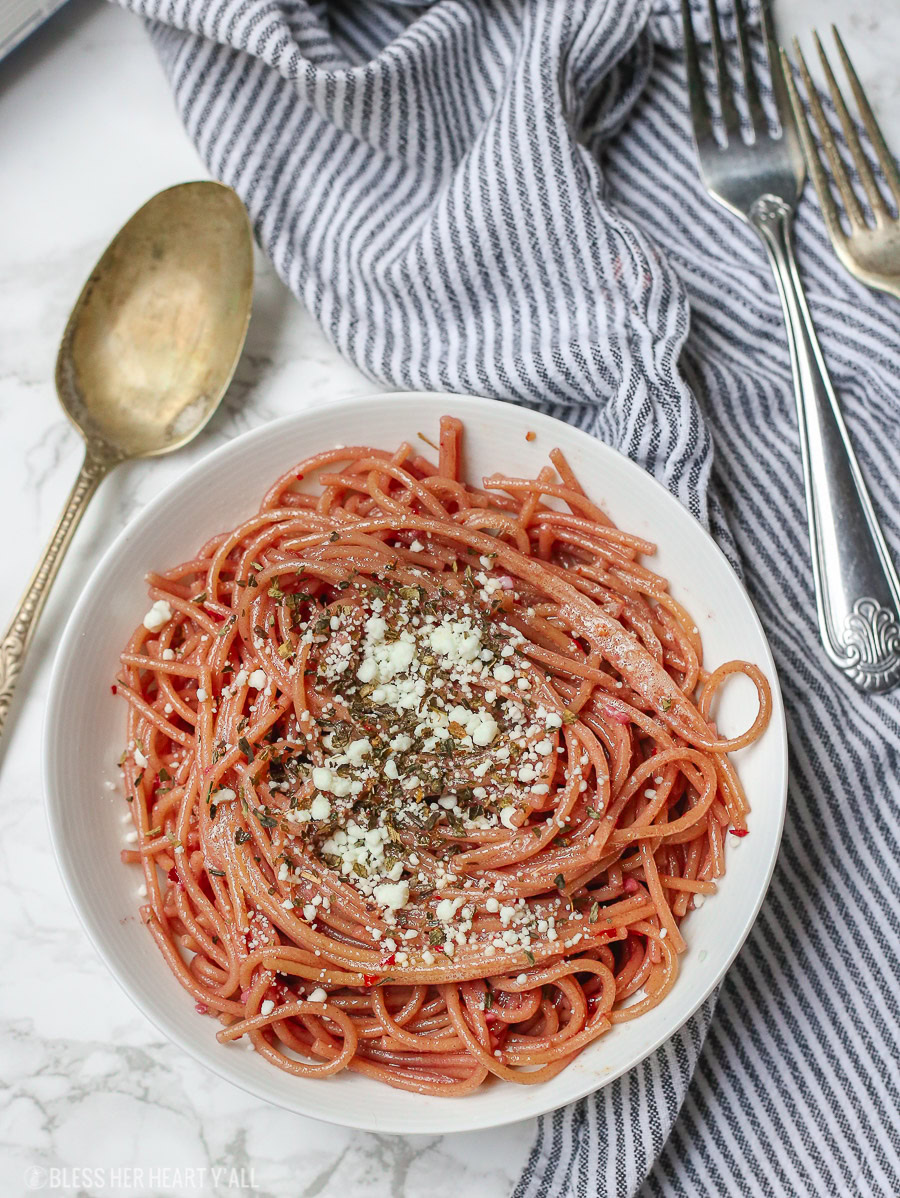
column 463, row 1122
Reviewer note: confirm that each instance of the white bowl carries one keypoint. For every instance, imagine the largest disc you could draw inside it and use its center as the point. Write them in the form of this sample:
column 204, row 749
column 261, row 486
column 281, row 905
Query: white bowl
column 85, row 729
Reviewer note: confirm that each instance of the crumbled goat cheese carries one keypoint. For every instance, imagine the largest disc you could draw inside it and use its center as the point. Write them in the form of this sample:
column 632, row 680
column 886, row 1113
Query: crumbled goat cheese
column 394, row 895
column 158, row 616
column 320, row 807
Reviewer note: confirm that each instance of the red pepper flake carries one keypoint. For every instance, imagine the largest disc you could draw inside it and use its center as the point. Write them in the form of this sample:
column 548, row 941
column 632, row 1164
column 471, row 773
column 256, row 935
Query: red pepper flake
column 738, row 831
column 114, row 689
column 388, row 961
column 300, row 478
column 530, row 436
column 173, row 874
column 371, row 979
column 201, row 1008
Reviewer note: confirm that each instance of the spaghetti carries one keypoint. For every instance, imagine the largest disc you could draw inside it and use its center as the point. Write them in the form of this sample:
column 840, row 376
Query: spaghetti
column 423, row 776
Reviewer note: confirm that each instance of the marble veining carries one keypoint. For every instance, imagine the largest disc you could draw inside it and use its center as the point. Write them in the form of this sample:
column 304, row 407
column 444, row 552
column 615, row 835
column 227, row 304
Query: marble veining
column 87, row 133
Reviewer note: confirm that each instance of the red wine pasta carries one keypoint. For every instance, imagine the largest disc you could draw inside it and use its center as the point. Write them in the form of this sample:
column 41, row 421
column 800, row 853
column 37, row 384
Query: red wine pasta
column 424, row 775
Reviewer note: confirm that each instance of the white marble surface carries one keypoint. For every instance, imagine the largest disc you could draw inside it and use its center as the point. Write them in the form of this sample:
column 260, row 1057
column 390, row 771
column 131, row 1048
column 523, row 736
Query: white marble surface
column 87, row 133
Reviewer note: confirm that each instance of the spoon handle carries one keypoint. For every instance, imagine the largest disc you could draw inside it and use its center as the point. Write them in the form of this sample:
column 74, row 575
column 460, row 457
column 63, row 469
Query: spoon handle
column 17, row 638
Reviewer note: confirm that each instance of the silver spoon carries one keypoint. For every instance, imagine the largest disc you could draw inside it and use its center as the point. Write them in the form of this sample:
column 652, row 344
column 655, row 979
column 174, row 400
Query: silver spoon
column 147, row 355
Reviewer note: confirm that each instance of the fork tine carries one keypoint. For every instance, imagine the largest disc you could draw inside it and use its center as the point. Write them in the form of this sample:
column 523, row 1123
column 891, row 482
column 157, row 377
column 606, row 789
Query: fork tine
column 730, row 118
column 751, row 91
column 779, row 84
column 701, row 117
column 879, row 208
column 885, row 158
column 813, row 162
column 838, row 170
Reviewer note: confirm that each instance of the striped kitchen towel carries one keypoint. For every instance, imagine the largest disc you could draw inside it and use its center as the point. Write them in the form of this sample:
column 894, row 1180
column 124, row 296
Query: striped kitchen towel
column 501, row 197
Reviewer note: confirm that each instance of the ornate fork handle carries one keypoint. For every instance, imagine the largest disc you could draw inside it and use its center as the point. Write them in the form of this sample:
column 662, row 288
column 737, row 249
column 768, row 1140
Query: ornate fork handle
column 98, row 461
column 857, row 590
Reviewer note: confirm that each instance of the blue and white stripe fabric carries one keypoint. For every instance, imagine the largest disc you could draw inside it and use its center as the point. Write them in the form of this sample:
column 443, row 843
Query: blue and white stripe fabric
column 501, row 197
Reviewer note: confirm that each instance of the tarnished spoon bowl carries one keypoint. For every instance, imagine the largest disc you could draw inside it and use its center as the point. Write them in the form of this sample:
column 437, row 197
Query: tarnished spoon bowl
column 155, row 336
column 146, row 357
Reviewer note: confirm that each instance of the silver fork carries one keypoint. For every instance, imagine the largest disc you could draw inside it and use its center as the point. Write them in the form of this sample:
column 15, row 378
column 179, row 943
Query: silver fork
column 857, row 590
